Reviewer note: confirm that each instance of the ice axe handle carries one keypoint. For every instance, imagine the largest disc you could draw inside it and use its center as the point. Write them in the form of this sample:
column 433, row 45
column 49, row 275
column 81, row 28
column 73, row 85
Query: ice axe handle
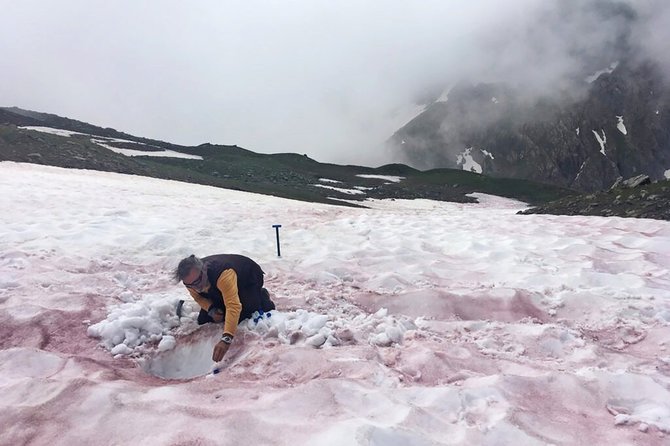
column 277, row 231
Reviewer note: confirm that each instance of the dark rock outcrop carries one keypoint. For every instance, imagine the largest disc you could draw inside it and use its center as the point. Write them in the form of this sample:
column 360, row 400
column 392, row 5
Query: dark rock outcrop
column 619, row 128
column 639, row 198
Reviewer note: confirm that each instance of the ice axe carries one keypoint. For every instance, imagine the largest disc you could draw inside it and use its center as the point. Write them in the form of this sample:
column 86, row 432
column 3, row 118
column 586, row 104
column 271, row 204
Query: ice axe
column 277, row 232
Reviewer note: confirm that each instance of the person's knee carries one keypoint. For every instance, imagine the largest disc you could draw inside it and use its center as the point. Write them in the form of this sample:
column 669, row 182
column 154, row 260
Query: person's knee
column 204, row 318
column 266, row 302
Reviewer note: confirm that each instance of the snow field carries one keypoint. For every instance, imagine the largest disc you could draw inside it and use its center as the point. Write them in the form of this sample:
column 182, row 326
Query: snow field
column 444, row 323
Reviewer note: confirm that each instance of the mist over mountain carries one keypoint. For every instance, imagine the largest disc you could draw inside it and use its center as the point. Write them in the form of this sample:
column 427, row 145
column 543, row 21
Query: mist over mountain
column 604, row 115
column 332, row 80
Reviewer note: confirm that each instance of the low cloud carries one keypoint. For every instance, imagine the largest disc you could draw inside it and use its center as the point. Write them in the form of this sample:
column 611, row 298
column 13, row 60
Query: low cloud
column 330, row 79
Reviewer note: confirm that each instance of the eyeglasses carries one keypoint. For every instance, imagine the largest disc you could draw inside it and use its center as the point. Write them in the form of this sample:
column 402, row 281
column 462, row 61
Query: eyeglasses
column 197, row 283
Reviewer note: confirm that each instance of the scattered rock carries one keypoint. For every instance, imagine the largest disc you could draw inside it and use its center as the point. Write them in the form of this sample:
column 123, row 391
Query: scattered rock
column 617, row 183
column 637, row 181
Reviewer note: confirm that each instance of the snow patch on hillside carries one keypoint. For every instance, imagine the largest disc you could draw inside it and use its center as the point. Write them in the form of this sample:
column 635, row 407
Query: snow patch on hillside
column 602, row 140
column 159, row 153
column 104, row 141
column 53, row 131
column 340, row 189
column 487, row 153
column 444, row 96
column 391, row 178
column 592, row 78
column 620, row 125
column 468, row 163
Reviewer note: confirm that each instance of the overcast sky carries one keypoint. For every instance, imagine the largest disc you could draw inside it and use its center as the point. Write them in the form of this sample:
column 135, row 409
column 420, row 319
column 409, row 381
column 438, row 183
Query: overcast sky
column 332, row 79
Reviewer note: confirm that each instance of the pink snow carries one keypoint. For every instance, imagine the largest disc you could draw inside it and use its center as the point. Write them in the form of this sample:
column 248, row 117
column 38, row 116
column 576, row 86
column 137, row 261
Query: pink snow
column 414, row 322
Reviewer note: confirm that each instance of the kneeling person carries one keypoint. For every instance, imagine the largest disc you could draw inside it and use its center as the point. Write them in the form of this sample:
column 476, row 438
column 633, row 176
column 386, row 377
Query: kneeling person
column 228, row 288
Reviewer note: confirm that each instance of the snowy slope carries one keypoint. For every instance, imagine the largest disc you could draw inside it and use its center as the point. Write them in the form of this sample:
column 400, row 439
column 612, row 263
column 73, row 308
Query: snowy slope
column 444, row 323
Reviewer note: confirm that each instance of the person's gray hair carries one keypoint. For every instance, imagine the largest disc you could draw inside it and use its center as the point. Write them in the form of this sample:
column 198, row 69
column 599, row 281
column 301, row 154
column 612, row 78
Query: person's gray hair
column 185, row 266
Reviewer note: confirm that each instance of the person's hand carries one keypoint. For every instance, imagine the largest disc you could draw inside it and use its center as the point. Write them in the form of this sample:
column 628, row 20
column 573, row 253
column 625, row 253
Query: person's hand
column 220, row 350
column 216, row 314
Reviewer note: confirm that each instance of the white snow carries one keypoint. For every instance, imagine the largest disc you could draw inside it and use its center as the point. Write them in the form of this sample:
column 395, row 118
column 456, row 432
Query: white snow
column 602, row 140
column 328, row 180
column 69, row 133
column 590, row 79
column 487, row 153
column 581, row 169
column 466, row 161
column 391, row 178
column 577, row 131
column 158, row 153
column 53, row 131
column 341, row 189
column 167, row 343
column 104, row 142
column 666, row 174
column 137, row 322
column 494, row 100
column 413, row 322
column 444, row 96
column 620, row 125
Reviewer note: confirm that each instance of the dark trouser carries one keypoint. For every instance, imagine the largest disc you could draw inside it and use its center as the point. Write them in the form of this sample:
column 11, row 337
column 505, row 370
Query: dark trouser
column 253, row 298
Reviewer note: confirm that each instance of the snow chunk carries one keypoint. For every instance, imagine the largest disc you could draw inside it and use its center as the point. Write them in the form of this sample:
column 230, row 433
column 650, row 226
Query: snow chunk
column 328, row 180
column 666, row 174
column 121, row 349
column 167, row 343
column 494, row 100
column 134, row 323
column 391, row 178
column 577, row 131
column 340, row 189
column 132, row 152
column 602, row 140
column 467, row 162
column 620, row 125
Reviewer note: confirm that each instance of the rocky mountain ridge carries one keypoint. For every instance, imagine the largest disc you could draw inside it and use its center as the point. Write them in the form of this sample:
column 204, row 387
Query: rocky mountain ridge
column 619, row 128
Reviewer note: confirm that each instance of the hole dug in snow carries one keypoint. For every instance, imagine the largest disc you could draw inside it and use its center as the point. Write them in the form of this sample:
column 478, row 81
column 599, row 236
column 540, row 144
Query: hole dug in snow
column 190, row 358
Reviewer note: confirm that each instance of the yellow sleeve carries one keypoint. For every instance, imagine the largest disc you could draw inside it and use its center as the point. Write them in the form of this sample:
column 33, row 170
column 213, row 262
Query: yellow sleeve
column 202, row 301
column 227, row 284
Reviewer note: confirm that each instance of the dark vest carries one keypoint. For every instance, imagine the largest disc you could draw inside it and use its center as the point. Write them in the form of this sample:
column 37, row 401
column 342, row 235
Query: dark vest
column 249, row 273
